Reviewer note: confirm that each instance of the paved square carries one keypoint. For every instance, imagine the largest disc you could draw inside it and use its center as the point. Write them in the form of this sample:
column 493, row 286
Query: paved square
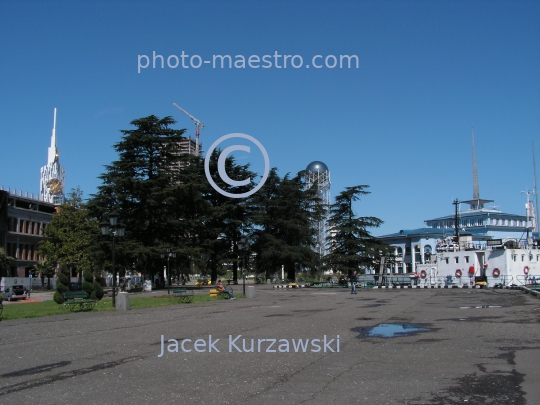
column 488, row 352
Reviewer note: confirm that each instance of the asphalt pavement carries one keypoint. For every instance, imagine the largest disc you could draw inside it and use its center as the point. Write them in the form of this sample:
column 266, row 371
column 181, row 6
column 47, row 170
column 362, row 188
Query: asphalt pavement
column 469, row 347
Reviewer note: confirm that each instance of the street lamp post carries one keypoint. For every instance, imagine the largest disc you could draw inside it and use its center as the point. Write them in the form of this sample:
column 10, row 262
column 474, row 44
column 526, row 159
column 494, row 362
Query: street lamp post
column 169, row 254
column 115, row 229
column 242, row 246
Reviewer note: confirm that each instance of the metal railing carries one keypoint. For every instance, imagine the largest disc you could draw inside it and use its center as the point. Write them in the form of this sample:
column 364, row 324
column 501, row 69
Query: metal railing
column 528, row 279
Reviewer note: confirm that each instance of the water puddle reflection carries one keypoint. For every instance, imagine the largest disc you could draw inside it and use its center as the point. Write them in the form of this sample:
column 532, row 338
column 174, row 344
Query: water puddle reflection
column 389, row 330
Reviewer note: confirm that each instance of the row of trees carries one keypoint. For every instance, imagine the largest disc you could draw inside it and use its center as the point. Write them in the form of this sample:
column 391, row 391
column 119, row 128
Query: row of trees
column 164, row 199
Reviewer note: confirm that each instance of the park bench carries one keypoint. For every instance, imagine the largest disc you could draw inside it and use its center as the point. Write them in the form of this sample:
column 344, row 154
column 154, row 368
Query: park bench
column 74, row 299
column 182, row 295
column 1, row 306
column 221, row 294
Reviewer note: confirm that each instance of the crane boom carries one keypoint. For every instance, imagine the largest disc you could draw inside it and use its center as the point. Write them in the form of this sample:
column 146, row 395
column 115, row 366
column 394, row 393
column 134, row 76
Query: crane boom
column 198, row 124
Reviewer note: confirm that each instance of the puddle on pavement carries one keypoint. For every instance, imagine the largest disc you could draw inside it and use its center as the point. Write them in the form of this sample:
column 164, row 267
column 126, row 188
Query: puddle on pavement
column 481, row 306
column 389, row 330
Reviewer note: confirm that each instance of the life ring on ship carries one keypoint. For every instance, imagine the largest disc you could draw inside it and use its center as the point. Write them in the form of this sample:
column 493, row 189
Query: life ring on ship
column 485, row 265
column 526, row 270
column 458, row 273
column 496, row 272
column 471, row 270
column 423, row 274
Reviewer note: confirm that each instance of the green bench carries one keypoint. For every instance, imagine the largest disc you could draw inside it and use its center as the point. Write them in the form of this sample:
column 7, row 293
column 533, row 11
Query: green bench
column 182, row 295
column 74, row 299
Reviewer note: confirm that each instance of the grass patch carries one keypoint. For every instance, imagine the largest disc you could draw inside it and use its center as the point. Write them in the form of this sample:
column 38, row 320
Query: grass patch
column 47, row 308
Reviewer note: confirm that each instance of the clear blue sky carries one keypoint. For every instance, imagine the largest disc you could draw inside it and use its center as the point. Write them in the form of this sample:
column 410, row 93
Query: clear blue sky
column 401, row 122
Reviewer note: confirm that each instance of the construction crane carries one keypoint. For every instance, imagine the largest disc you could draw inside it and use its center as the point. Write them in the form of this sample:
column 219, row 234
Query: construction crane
column 197, row 125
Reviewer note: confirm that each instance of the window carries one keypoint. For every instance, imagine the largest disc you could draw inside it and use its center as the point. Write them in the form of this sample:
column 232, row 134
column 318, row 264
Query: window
column 466, row 259
column 446, row 260
column 514, row 257
column 457, row 259
column 522, row 258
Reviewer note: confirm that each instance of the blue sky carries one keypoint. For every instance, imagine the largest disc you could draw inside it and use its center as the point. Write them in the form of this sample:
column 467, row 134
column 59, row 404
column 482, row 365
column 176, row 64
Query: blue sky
column 401, row 122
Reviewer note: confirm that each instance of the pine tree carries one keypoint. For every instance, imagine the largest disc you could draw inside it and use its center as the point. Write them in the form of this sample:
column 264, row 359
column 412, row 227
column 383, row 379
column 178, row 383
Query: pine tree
column 284, row 232
column 352, row 247
column 139, row 186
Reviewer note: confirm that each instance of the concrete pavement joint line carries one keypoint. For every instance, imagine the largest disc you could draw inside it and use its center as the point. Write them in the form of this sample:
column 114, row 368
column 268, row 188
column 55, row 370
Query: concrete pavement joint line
column 285, row 378
column 65, row 375
column 327, row 385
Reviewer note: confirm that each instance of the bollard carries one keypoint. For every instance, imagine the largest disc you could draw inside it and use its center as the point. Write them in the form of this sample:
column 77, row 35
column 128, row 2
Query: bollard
column 122, row 301
column 250, row 291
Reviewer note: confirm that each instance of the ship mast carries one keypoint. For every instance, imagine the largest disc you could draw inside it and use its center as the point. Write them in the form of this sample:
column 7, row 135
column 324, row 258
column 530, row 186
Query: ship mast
column 535, row 191
column 476, row 191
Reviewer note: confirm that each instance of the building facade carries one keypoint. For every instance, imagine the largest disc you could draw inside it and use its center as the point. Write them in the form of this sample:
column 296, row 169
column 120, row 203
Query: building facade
column 23, row 220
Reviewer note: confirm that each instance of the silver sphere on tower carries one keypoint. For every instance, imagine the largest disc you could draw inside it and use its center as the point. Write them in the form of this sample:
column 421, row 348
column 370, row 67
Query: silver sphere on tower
column 317, row 175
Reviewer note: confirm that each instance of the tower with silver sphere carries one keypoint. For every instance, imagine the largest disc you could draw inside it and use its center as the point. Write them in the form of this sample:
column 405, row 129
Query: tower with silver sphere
column 318, row 176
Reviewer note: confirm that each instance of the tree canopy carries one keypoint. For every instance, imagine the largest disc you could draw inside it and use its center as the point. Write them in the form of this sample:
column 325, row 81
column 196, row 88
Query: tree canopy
column 352, row 247
column 70, row 234
column 163, row 197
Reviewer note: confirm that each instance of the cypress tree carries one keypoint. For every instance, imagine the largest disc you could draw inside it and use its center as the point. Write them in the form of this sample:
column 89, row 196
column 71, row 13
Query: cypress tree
column 88, row 283
column 62, row 281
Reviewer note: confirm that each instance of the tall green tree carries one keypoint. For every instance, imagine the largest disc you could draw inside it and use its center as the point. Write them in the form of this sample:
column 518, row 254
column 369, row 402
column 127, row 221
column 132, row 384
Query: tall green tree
column 284, row 233
column 352, row 247
column 226, row 220
column 69, row 236
column 140, row 187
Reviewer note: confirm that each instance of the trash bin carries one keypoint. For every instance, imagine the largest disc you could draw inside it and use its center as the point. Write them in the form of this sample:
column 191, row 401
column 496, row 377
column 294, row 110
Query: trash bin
column 250, row 291
column 122, row 302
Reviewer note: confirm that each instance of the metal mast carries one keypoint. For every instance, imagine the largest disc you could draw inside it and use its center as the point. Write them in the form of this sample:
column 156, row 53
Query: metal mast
column 476, row 192
column 535, row 190
column 198, row 124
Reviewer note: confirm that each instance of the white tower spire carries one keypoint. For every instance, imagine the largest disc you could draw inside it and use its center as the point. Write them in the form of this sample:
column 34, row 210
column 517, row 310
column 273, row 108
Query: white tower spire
column 52, row 178
column 53, row 152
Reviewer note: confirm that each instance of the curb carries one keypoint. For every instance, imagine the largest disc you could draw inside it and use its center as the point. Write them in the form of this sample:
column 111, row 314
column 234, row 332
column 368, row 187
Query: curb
column 288, row 286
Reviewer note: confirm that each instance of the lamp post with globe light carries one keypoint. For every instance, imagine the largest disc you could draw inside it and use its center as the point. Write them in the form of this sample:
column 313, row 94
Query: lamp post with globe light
column 168, row 254
column 115, row 229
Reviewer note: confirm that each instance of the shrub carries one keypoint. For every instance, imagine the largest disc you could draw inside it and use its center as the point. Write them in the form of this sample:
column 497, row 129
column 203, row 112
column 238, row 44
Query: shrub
column 62, row 281
column 98, row 292
column 58, row 298
column 88, row 283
